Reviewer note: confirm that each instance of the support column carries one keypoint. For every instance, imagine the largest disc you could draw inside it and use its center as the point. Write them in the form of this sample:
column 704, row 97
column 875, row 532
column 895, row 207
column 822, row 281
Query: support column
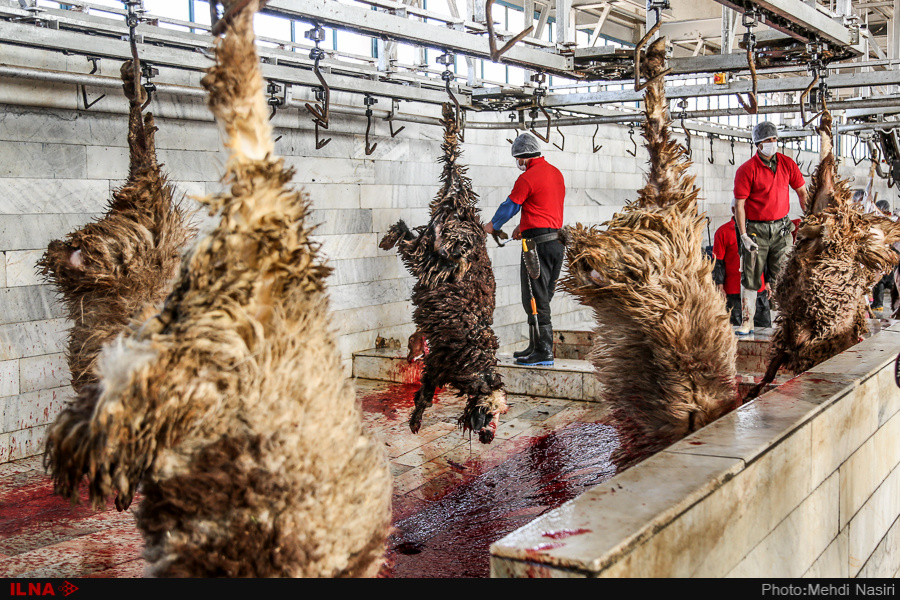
column 565, row 32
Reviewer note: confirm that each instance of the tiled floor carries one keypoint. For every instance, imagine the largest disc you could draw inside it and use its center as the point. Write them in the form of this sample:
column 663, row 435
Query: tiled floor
column 452, row 496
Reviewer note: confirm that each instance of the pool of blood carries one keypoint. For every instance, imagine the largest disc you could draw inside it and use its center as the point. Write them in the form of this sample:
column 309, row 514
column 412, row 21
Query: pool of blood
column 451, row 536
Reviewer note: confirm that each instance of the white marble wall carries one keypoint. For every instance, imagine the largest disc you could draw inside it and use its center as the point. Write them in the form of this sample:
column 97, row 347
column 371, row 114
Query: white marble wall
column 59, row 163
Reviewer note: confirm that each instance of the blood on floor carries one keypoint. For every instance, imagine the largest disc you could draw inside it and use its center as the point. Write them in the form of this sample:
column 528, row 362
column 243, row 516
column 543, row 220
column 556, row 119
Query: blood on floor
column 453, row 496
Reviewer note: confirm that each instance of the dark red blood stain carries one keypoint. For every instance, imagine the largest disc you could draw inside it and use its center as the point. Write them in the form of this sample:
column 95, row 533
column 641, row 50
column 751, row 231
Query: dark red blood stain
column 451, row 536
column 695, row 443
column 564, row 533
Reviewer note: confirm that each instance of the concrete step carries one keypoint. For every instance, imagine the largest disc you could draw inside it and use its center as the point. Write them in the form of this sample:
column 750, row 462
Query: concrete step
column 567, row 379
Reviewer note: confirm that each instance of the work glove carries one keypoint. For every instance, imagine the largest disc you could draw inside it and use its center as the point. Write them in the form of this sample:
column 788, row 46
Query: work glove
column 748, row 242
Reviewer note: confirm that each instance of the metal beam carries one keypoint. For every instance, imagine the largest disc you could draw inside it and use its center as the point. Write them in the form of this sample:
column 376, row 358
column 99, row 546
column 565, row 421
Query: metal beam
column 376, row 24
column 766, row 86
column 797, row 19
column 109, row 47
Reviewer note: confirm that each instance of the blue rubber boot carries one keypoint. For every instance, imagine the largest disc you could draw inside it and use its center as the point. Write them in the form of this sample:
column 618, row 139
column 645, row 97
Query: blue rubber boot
column 543, row 349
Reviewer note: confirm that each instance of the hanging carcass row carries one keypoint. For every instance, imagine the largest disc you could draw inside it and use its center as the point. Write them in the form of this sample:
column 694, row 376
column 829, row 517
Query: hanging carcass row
column 664, row 349
column 111, row 269
column 839, row 254
column 454, row 296
column 230, row 408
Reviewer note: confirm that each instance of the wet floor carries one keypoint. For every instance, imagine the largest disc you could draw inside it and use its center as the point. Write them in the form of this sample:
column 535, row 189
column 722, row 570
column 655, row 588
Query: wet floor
column 452, row 496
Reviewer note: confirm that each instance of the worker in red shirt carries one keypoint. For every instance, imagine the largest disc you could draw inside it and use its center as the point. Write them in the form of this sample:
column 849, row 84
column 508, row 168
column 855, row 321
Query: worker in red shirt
column 727, row 276
column 539, row 193
column 761, row 204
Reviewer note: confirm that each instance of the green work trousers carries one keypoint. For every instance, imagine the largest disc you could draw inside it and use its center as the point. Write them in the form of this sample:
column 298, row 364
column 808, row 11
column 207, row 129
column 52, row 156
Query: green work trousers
column 774, row 240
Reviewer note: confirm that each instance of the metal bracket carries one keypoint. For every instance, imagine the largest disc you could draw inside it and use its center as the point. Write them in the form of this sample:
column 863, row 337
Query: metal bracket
column 539, row 92
column 495, row 53
column 148, row 72
column 274, row 101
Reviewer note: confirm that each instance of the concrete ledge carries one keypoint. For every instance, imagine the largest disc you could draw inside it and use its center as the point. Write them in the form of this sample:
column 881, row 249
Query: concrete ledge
column 782, row 487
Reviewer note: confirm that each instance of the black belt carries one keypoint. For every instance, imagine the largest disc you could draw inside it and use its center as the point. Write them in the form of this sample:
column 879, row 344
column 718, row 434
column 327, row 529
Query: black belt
column 547, row 237
column 775, row 221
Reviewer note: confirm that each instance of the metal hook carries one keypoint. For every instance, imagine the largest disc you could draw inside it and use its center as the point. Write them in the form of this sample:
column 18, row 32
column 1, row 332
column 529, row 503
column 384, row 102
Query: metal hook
column 751, row 105
column 803, row 100
column 390, row 119
column 853, row 151
column 631, row 135
column 638, row 86
column 682, row 104
column 711, row 159
column 369, row 101
column 87, row 105
column 496, row 54
column 321, row 114
column 594, row 140
column 563, row 147
column 731, row 160
column 219, row 26
column 448, row 59
column 273, row 101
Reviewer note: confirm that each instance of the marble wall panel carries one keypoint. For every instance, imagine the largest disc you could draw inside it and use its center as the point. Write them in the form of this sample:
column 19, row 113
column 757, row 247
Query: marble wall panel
column 20, row 196
column 23, row 340
column 867, row 468
column 885, row 560
column 31, row 232
column 32, row 409
column 28, row 303
column 43, row 372
column 21, row 268
column 35, row 159
column 796, row 543
column 9, row 379
column 834, row 561
column 873, row 520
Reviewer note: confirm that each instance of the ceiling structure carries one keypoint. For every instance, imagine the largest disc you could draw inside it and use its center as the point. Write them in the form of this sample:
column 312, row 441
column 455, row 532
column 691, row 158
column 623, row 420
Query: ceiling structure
column 577, row 55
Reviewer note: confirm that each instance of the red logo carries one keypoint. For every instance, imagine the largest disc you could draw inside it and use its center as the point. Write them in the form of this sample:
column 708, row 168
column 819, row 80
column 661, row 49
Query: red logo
column 39, row 589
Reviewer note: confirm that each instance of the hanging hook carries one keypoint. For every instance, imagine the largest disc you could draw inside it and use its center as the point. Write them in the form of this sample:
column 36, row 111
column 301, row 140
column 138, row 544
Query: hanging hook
column 321, row 113
column 803, row 100
column 682, row 104
column 448, row 59
column 390, row 119
column 369, row 101
column 853, row 151
column 638, row 86
column 711, row 159
column 274, row 101
column 87, row 105
column 631, row 135
column 750, row 20
column 539, row 92
column 492, row 42
column 594, row 140
column 731, row 160
column 558, row 130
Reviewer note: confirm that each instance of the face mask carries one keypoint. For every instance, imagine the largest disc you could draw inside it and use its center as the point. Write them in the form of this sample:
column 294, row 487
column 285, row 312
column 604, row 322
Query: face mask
column 521, row 164
column 768, row 149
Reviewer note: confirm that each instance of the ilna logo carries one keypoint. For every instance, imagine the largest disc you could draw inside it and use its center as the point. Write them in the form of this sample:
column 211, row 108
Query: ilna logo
column 39, row 589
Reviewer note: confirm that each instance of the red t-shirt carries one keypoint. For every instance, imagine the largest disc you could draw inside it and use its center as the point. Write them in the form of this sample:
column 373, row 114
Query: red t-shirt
column 540, row 191
column 725, row 248
column 767, row 193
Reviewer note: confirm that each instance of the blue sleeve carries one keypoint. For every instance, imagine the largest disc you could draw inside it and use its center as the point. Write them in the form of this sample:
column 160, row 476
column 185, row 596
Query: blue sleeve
column 505, row 212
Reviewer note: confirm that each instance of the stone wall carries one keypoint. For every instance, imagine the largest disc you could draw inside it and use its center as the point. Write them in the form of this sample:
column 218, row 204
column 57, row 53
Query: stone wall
column 59, row 163
column 804, row 481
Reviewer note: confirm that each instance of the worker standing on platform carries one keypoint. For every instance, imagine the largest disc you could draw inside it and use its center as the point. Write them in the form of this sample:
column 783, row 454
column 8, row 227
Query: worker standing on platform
column 539, row 193
column 727, row 276
column 761, row 205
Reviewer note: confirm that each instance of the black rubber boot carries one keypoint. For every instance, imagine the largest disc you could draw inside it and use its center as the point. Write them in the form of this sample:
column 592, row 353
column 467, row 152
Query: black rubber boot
column 530, row 348
column 543, row 349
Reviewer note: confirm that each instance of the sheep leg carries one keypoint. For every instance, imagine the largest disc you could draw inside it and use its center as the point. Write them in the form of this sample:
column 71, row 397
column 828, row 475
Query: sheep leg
column 423, row 399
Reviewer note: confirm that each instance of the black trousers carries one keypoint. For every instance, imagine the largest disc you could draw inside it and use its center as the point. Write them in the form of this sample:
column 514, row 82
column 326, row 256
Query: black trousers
column 551, row 255
column 763, row 316
column 878, row 291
